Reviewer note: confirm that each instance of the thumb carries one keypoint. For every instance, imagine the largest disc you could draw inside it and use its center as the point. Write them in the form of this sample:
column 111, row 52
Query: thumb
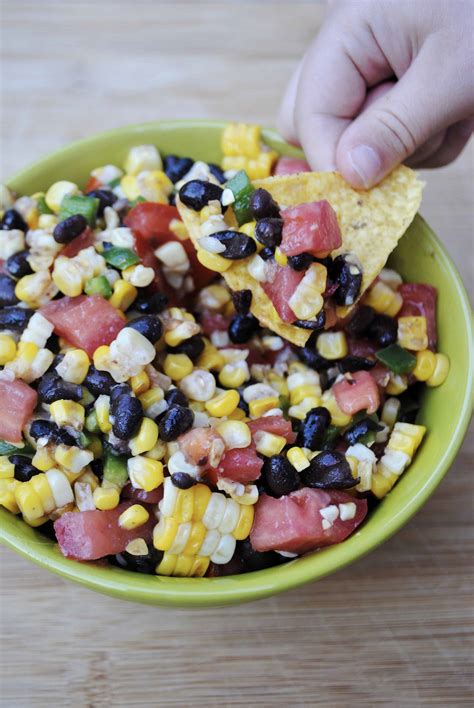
column 400, row 121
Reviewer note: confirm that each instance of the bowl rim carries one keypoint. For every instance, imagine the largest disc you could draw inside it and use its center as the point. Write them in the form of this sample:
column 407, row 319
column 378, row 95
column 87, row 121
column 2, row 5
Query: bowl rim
column 212, row 592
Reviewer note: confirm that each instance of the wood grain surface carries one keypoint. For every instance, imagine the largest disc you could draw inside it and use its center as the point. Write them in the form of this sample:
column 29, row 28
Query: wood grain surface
column 395, row 629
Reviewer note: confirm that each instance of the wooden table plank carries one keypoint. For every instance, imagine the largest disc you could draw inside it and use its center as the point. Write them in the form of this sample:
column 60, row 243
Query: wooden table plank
column 395, row 629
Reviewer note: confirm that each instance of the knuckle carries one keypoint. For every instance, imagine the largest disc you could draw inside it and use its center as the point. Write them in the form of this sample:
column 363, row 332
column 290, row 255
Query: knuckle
column 400, row 134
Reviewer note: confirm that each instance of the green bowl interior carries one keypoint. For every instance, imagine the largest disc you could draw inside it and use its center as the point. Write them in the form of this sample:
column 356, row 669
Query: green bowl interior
column 446, row 410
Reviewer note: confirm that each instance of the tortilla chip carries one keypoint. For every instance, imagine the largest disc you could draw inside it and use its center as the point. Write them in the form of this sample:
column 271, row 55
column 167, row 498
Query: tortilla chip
column 371, row 222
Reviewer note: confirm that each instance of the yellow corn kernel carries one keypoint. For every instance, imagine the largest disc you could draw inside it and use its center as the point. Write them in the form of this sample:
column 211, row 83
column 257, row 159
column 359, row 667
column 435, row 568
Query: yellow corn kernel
column 67, row 276
column 280, row 257
column 383, row 299
column 146, row 437
column 145, row 473
column 177, row 366
column 153, row 395
column 299, row 393
column 95, row 446
column 57, row 192
column 30, row 287
column 7, row 468
column 74, row 366
column 65, row 412
column 213, row 261
column 249, row 229
column 199, row 567
column 238, row 415
column 397, row 384
column 259, row 168
column 124, row 295
column 154, row 186
column 106, row 498
column 47, row 221
column 7, row 349
column 300, row 410
column 235, row 433
column 164, row 533
column 259, row 406
column 32, row 218
column 183, row 566
column 167, row 564
column 381, row 484
column 212, row 209
column 7, row 494
column 224, row 404
column 140, row 383
column 202, row 494
column 412, row 333
column 297, row 458
column 338, row 417
column 210, row 358
column 278, row 382
column 441, row 371
column 130, row 187
column 101, row 358
column 183, row 511
column 241, row 139
column 425, row 365
column 179, row 229
column 307, row 300
column 29, row 502
column 196, row 537
column 141, row 158
column 133, row 517
column 332, row 345
column 102, row 411
column 43, row 459
column 27, row 351
column 269, row 444
column 244, row 524
column 406, row 437
column 41, row 486
column 232, row 376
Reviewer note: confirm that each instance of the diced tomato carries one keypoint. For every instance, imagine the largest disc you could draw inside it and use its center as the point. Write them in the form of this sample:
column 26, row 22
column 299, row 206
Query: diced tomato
column 85, row 321
column 84, row 240
column 358, row 394
column 89, row 535
column 17, row 403
column 139, row 496
column 420, row 299
column 290, row 166
column 273, row 424
column 311, row 228
column 213, row 321
column 281, row 287
column 293, row 523
column 241, row 465
column 92, row 183
column 381, row 374
column 362, row 347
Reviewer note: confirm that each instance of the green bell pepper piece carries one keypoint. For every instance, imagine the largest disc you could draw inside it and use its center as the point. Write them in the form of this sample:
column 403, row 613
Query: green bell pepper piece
column 120, row 258
column 396, row 359
column 98, row 286
column 91, row 423
column 7, row 448
column 330, row 437
column 75, row 204
column 115, row 469
column 242, row 189
column 43, row 208
column 114, row 182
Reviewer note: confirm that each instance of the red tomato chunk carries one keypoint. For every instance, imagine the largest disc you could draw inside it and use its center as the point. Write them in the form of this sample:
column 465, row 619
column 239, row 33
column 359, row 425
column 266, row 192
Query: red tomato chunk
column 311, row 228
column 420, row 299
column 280, row 288
column 241, row 465
column 294, row 523
column 291, row 166
column 82, row 241
column 17, row 403
column 275, row 424
column 85, row 321
column 358, row 394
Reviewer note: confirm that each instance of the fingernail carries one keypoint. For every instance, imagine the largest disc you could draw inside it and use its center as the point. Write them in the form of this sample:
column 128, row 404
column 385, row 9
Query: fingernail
column 366, row 162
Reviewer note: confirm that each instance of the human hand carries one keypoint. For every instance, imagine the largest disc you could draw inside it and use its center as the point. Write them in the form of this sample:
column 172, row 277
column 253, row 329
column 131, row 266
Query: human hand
column 383, row 81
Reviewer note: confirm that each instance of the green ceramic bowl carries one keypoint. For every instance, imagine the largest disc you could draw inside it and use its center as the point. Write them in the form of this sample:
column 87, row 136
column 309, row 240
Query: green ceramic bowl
column 445, row 411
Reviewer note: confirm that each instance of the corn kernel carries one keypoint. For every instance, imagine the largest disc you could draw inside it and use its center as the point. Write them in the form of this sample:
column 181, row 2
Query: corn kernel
column 7, row 468
column 199, row 567
column 300, row 410
column 210, row 358
column 164, row 533
column 145, row 473
column 441, row 371
column 177, row 366
column 74, row 367
column 43, row 459
column 47, row 221
column 41, row 486
column 244, row 524
column 240, row 139
column 195, row 539
column 397, row 384
column 183, row 566
column 142, row 157
column 151, row 397
column 213, row 261
column 101, row 357
column 259, row 406
column 29, row 502
column 338, row 417
column 307, row 301
column 239, row 415
column 57, row 192
column 65, row 412
column 232, row 376
column 235, row 433
column 332, row 345
column 269, row 444
column 146, row 437
column 280, row 257
column 7, row 349
column 224, row 404
column 249, row 229
column 133, row 517
column 130, row 187
column 383, row 299
column 106, row 498
column 183, row 511
column 124, row 295
column 299, row 393
column 68, row 276
column 297, row 458
column 412, row 333
column 95, row 446
column 140, row 383
column 425, row 365
column 202, row 495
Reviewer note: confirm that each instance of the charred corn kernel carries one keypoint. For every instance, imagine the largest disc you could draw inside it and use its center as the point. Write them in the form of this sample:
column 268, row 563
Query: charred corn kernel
column 177, row 366
column 241, row 139
column 164, row 533
column 146, row 437
column 260, row 406
column 140, row 383
column 145, row 473
column 244, row 524
column 29, row 502
column 133, row 517
column 224, row 404
column 390, row 411
column 74, row 367
column 213, row 261
column 280, row 257
column 232, row 376
column 199, row 567
column 338, row 417
column 43, row 459
column 7, row 468
column 124, row 295
column 106, row 498
column 269, row 444
column 299, row 393
column 425, row 365
column 210, row 358
column 57, row 192
column 195, row 539
column 332, row 345
column 42, row 487
column 235, row 433
column 440, row 372
column 202, row 495
column 383, row 299
column 297, row 458
column 412, row 333
column 7, row 349
column 397, row 384
column 300, row 410
column 142, row 157
column 65, row 412
column 307, row 300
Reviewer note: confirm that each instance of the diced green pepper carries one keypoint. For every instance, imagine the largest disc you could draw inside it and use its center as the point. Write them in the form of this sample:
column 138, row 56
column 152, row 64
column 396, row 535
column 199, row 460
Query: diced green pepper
column 330, row 437
column 7, row 448
column 43, row 208
column 91, row 423
column 84, row 439
column 120, row 258
column 396, row 359
column 242, row 189
column 284, row 403
column 98, row 286
column 115, row 470
column 75, row 204
column 114, row 182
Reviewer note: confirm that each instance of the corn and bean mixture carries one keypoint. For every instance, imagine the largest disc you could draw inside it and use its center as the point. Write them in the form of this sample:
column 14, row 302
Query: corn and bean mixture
column 145, row 415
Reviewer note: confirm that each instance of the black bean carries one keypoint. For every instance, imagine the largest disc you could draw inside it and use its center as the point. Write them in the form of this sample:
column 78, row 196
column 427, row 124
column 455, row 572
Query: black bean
column 300, row 262
column 148, row 325
column 52, row 343
column 97, row 467
column 254, row 560
column 145, row 564
column 18, row 264
column 107, row 245
column 151, row 304
column 355, row 363
column 267, row 253
column 183, row 480
column 263, row 205
column 120, row 390
column 349, row 278
column 237, row 245
column 52, row 388
column 7, row 291
column 197, row 194
column 268, row 232
column 175, row 421
column 172, row 199
column 242, row 299
column 174, row 395
column 360, row 321
column 243, row 404
column 217, row 172
column 116, row 447
column 24, row 470
column 309, row 356
column 99, row 382
column 313, row 428
column 127, row 412
column 357, row 431
column 12, row 219
column 279, row 476
column 43, row 429
column 329, row 470
column 68, row 436
column 15, row 317
column 70, row 228
column 242, row 328
column 192, row 347
column 106, row 198
column 316, row 324
column 383, row 329
column 176, row 167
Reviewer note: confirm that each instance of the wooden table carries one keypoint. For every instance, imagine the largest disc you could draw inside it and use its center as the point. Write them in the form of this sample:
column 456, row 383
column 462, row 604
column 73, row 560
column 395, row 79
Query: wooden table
column 392, row 630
